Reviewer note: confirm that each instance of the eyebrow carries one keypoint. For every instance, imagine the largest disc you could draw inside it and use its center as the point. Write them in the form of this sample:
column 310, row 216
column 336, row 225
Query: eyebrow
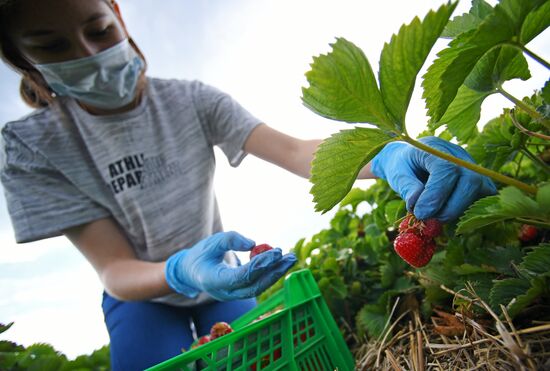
column 34, row 33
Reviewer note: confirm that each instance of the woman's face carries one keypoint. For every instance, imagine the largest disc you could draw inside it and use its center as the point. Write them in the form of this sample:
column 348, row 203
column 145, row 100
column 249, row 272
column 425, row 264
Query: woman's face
column 49, row 31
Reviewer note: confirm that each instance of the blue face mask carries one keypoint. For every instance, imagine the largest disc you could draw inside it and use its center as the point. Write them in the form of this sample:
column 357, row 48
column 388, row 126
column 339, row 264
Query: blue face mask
column 105, row 80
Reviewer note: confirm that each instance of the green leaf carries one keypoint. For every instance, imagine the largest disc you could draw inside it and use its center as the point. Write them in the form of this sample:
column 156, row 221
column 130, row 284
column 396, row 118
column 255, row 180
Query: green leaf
column 537, row 262
column 530, row 17
column 543, row 197
column 546, row 92
column 499, row 65
column 516, row 293
column 4, row 328
column 515, row 203
column 504, row 291
column 466, row 269
column 463, row 113
column 372, row 319
column 504, row 259
column 491, row 148
column 511, row 64
column 394, row 210
column 339, row 159
column 337, row 288
column 404, row 55
column 343, row 87
column 468, row 21
column 354, row 198
column 453, row 65
column 479, row 215
column 510, row 203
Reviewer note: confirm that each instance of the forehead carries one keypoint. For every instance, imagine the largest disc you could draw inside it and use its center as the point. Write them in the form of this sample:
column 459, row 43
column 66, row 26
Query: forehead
column 55, row 15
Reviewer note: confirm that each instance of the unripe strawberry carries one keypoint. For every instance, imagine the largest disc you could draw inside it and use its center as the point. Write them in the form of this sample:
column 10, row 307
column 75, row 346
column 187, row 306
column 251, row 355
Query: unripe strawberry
column 414, row 249
column 220, row 329
column 259, row 249
column 528, row 233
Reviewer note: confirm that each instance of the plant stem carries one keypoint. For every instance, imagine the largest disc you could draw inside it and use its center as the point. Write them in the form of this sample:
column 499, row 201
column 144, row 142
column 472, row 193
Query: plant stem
column 524, row 130
column 519, row 163
column 536, row 223
column 535, row 56
column 474, row 167
column 529, row 110
column 536, row 160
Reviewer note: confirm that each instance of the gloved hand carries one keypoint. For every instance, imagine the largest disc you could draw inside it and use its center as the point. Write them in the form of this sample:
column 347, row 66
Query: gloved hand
column 201, row 268
column 431, row 187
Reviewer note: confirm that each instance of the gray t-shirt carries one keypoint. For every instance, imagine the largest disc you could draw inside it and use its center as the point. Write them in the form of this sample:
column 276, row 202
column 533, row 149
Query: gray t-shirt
column 151, row 168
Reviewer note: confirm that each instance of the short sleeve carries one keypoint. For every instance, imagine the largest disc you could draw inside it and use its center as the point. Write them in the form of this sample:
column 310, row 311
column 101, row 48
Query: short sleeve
column 41, row 201
column 226, row 123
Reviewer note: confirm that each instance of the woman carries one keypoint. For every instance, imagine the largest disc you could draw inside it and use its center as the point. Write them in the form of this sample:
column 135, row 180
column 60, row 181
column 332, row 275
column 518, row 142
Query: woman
column 122, row 164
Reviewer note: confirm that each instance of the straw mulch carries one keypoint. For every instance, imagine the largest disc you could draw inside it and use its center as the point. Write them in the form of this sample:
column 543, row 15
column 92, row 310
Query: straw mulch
column 458, row 341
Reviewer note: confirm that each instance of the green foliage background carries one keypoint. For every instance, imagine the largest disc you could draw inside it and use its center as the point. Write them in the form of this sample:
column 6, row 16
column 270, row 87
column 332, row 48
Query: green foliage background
column 359, row 274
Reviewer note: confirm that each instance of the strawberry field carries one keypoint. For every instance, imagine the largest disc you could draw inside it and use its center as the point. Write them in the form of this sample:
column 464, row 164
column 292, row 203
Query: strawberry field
column 483, row 299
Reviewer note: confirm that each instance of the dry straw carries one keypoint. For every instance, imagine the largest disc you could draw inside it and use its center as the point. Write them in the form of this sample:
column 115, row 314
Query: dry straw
column 492, row 344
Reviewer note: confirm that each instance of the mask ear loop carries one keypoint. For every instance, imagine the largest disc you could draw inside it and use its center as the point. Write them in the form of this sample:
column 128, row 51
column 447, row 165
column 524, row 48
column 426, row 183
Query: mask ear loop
column 118, row 14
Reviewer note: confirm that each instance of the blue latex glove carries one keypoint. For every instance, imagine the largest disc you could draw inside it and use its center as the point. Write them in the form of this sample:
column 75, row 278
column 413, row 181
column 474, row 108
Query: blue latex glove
column 431, row 187
column 201, row 268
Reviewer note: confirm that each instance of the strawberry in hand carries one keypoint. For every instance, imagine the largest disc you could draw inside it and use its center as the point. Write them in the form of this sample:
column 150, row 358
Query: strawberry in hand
column 258, row 249
column 415, row 243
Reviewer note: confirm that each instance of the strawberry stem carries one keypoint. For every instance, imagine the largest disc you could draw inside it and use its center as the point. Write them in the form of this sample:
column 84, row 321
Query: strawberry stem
column 471, row 166
column 525, row 107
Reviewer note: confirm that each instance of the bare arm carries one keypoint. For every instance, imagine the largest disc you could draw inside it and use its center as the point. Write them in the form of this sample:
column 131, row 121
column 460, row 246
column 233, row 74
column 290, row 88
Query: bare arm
column 292, row 154
column 124, row 277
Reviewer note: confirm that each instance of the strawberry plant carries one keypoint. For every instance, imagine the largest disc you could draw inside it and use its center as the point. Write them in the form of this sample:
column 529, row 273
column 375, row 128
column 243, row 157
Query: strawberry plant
column 500, row 247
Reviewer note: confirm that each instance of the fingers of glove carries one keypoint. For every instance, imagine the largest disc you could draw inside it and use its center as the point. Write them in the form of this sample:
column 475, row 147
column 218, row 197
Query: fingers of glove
column 442, row 180
column 258, row 266
column 405, row 182
column 263, row 282
column 243, row 275
column 467, row 190
column 222, row 242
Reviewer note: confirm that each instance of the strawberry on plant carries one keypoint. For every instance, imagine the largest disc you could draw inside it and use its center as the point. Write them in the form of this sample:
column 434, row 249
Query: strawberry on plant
column 528, row 233
column 220, row 329
column 431, row 228
column 258, row 249
column 414, row 249
column 408, row 224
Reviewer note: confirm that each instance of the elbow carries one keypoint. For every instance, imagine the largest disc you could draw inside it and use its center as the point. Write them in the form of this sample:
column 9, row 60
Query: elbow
column 112, row 285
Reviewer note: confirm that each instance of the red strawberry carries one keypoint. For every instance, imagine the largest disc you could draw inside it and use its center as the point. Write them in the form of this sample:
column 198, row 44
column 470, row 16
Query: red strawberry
column 414, row 249
column 528, row 233
column 431, row 228
column 220, row 329
column 258, row 249
column 202, row 340
column 407, row 223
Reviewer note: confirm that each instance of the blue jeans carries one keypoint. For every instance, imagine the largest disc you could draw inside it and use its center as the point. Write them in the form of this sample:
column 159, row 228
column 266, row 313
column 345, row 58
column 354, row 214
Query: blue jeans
column 144, row 334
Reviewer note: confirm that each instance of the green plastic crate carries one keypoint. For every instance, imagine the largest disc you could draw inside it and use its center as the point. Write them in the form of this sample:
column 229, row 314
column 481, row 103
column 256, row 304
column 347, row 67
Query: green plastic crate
column 298, row 333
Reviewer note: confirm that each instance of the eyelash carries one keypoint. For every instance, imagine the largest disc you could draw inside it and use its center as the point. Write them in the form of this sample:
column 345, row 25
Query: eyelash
column 102, row 32
column 57, row 46
column 52, row 47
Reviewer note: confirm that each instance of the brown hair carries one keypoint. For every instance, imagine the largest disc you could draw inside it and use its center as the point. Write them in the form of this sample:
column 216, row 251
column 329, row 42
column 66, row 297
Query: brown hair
column 33, row 88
